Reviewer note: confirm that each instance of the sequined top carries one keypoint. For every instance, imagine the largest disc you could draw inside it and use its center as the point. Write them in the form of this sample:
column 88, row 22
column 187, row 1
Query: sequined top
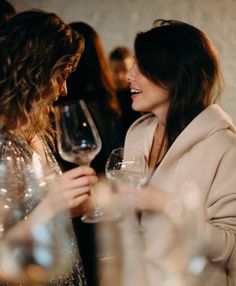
column 15, row 155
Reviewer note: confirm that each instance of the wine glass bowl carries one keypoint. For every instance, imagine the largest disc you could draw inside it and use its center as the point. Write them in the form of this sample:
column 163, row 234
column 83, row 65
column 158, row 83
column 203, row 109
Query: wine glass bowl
column 78, row 141
column 127, row 166
column 77, row 137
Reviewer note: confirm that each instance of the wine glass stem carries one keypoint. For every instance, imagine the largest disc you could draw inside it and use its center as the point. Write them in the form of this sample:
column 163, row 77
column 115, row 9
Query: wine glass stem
column 93, row 196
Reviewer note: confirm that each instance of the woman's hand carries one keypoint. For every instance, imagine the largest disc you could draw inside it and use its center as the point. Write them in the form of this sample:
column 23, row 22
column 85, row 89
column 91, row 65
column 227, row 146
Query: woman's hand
column 146, row 199
column 70, row 190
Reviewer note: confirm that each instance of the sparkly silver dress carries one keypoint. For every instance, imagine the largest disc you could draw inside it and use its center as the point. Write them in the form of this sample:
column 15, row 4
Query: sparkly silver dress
column 15, row 154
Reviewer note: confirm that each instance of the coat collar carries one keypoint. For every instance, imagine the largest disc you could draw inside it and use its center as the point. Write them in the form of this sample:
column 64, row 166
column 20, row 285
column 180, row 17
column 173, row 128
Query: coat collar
column 208, row 122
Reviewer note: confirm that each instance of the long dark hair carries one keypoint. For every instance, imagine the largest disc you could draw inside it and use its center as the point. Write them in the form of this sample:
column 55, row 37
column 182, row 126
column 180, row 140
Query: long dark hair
column 180, row 58
column 93, row 70
column 33, row 46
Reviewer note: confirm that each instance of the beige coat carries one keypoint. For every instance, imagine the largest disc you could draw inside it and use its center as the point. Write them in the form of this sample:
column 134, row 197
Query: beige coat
column 204, row 154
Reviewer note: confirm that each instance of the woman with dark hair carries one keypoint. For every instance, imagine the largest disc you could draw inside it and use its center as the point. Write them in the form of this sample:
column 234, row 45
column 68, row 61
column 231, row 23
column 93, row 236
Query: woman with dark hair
column 92, row 81
column 33, row 75
column 187, row 137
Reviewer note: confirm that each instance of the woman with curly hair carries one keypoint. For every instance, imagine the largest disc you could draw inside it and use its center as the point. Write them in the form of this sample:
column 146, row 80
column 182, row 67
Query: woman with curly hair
column 32, row 76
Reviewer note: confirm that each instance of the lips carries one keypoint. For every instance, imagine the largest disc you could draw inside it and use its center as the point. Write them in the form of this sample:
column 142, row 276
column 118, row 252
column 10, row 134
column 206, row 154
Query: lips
column 135, row 91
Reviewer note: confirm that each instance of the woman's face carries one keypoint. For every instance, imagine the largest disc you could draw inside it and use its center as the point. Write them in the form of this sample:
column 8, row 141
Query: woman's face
column 58, row 88
column 146, row 95
column 60, row 76
column 61, row 84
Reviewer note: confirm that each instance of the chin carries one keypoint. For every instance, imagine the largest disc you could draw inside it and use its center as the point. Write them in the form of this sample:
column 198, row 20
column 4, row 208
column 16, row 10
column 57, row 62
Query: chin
column 140, row 109
column 136, row 107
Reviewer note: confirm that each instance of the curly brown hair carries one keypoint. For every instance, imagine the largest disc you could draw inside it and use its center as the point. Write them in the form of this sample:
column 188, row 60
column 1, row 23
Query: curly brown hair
column 34, row 45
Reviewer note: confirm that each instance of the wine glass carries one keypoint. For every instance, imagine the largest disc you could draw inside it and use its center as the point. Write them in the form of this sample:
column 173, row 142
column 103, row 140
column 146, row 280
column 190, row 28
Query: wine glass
column 127, row 166
column 78, row 142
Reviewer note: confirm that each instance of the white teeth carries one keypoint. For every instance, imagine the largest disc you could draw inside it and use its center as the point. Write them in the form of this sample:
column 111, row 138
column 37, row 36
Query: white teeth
column 135, row 90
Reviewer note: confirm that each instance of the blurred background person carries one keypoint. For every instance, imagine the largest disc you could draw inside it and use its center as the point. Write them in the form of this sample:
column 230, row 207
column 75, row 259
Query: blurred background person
column 7, row 11
column 121, row 60
column 92, row 81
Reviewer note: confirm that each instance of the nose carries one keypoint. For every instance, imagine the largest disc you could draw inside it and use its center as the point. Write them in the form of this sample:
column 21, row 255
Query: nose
column 63, row 91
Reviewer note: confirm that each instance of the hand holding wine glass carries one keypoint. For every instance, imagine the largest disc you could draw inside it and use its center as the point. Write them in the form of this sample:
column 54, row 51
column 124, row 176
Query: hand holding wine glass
column 78, row 141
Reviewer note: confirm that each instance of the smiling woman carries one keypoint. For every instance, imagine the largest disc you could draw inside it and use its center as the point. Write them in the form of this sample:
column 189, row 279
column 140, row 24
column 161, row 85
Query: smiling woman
column 176, row 79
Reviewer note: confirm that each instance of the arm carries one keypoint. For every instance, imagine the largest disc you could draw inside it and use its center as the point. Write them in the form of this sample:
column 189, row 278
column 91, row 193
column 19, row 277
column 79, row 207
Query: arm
column 220, row 231
column 69, row 192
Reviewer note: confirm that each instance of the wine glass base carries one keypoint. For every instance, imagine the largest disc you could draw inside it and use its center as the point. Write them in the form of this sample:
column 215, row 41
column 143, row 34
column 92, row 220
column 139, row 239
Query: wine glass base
column 98, row 215
column 92, row 216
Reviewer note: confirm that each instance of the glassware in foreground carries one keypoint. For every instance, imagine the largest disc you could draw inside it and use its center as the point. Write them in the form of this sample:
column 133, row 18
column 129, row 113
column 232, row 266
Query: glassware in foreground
column 127, row 166
column 78, row 142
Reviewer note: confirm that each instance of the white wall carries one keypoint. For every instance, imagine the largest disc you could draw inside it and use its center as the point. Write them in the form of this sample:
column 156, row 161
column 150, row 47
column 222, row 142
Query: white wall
column 117, row 22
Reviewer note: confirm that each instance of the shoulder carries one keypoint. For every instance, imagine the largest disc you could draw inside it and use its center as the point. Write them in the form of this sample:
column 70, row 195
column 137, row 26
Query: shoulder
column 220, row 149
column 211, row 130
column 13, row 148
column 225, row 141
column 222, row 135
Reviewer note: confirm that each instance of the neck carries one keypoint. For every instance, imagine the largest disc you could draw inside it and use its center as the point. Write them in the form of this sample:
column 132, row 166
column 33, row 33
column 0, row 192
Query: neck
column 161, row 113
column 159, row 146
column 160, row 130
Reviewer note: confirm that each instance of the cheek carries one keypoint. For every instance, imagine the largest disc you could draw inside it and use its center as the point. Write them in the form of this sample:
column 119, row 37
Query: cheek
column 63, row 89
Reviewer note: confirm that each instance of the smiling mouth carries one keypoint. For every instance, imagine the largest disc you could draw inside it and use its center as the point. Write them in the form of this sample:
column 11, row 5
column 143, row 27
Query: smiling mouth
column 135, row 91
